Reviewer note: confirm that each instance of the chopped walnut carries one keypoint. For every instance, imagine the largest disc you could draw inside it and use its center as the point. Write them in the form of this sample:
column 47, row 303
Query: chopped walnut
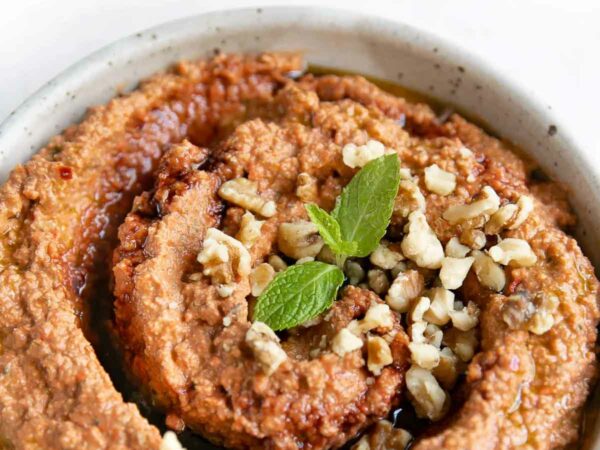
column 264, row 343
column 454, row 249
column 224, row 258
column 474, row 239
column 384, row 436
column 439, row 181
column 447, row 370
column 243, row 192
column 465, row 318
column 385, row 257
column 170, row 442
column 543, row 319
column 406, row 174
column 260, row 277
column 359, row 155
column 433, row 335
column 354, row 272
column 409, row 199
column 424, row 355
column 405, row 288
column 378, row 281
column 465, row 152
column 488, row 272
column 225, row 290
column 397, row 269
column 515, row 252
column 421, row 245
column 520, row 312
column 419, row 308
column 249, row 229
column 425, row 333
column 379, row 316
column 305, row 260
column 442, row 302
column 517, row 310
column 379, row 354
column 425, row 393
column 501, row 218
column 299, row 239
column 326, row 255
column 362, row 444
column 307, row 188
column 345, row 342
column 488, row 204
column 462, row 343
column 525, row 204
column 416, row 331
column 278, row 264
column 454, row 271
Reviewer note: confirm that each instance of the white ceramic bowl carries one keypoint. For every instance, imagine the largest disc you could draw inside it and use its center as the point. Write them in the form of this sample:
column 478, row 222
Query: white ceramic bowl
column 332, row 38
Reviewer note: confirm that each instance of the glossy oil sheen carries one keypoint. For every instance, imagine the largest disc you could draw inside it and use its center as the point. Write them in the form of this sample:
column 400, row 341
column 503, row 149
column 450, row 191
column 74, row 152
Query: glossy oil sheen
column 332, row 38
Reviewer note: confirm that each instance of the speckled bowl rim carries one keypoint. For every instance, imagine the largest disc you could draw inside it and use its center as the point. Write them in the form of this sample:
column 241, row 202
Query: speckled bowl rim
column 63, row 99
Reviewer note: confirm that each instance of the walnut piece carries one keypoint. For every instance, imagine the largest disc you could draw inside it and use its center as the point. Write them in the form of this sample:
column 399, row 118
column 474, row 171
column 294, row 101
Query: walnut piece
column 225, row 259
column 379, row 354
column 260, row 277
column 345, row 342
column 249, row 229
column 378, row 281
column 404, row 289
column 454, row 249
column 385, row 257
column 359, row 155
column 486, row 205
column 384, row 436
column 454, row 271
column 307, row 188
column 439, row 181
column 421, row 245
column 244, row 193
column 465, row 318
column 170, row 442
column 378, row 316
column 425, row 393
column 442, row 302
column 299, row 239
column 488, row 272
column 424, row 355
column 265, row 346
column 447, row 370
column 514, row 252
column 409, row 199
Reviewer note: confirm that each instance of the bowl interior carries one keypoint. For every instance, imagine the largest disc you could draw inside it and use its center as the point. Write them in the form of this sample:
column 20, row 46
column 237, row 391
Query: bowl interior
column 330, row 38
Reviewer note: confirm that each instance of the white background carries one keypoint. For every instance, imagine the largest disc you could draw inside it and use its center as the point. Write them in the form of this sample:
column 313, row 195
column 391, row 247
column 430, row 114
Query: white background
column 551, row 47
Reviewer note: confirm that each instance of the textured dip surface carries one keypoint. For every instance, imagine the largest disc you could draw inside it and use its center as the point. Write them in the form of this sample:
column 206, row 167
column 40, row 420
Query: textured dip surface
column 131, row 192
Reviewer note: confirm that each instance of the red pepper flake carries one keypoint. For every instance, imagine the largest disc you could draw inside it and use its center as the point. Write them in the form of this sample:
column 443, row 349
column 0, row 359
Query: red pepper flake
column 66, row 173
column 512, row 287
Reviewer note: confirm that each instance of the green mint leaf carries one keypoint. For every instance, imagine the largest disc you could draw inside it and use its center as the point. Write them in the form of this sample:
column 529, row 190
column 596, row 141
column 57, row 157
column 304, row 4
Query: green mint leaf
column 364, row 208
column 298, row 294
column 329, row 230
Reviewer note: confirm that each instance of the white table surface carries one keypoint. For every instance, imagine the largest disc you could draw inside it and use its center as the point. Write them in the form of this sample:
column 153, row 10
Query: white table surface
column 551, row 47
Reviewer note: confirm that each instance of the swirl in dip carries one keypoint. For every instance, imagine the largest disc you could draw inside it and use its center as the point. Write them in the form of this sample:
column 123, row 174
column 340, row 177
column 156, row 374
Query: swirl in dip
column 476, row 310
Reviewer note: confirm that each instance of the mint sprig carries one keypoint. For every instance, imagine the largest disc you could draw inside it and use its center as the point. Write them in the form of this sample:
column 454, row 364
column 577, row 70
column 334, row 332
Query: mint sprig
column 354, row 228
column 363, row 211
column 298, row 294
column 330, row 231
